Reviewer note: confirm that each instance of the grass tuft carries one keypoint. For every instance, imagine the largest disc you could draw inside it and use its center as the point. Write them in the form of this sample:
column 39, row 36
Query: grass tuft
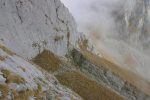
column 7, row 50
column 11, row 78
column 83, row 44
column 47, row 60
column 2, row 58
column 26, row 94
column 4, row 89
column 39, row 94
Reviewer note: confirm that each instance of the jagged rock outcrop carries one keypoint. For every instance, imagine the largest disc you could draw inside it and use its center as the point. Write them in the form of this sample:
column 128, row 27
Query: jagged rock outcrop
column 29, row 26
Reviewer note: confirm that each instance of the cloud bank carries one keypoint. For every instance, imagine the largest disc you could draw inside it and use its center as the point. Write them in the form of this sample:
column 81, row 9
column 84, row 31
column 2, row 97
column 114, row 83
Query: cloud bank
column 101, row 20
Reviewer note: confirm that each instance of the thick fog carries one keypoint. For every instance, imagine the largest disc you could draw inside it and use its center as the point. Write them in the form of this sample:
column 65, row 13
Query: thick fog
column 103, row 21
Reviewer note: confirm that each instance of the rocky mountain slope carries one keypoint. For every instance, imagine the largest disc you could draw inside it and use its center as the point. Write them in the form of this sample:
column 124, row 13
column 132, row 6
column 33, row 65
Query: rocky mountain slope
column 44, row 57
column 23, row 80
column 27, row 27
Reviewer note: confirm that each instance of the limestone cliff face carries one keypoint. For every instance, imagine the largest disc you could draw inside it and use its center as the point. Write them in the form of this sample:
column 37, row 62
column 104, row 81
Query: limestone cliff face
column 29, row 26
column 134, row 23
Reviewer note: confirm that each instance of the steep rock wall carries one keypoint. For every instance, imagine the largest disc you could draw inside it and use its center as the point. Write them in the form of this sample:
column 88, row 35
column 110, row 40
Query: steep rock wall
column 29, row 26
column 133, row 23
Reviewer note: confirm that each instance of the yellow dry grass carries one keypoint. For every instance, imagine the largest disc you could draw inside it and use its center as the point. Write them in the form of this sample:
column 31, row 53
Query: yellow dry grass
column 26, row 94
column 7, row 50
column 47, row 60
column 83, row 44
column 2, row 58
column 11, row 78
column 23, row 95
column 4, row 89
column 39, row 94
column 86, row 88
column 134, row 79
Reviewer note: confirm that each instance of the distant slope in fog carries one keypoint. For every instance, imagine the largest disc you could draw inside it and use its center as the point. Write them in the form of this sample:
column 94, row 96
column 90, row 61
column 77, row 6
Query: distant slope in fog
column 119, row 29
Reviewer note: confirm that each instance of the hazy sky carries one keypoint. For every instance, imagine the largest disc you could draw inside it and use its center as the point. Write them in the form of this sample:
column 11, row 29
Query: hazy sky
column 91, row 15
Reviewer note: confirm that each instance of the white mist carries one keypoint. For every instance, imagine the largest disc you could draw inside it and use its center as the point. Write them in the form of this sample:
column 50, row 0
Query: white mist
column 107, row 24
